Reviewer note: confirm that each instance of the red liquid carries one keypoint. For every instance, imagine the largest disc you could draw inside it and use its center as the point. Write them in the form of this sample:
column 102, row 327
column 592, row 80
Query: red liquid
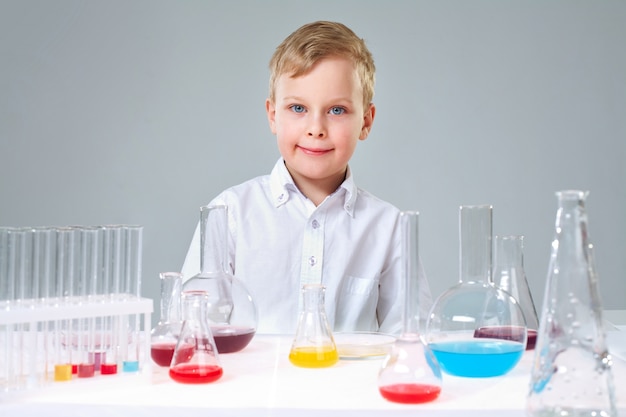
column 162, row 353
column 513, row 333
column 195, row 374
column 410, row 393
column 74, row 369
column 108, row 368
column 86, row 370
column 231, row 339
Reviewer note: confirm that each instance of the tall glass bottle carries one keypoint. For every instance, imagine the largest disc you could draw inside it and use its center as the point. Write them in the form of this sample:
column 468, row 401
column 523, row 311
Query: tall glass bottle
column 313, row 345
column 410, row 373
column 196, row 359
column 164, row 335
column 475, row 303
column 231, row 311
column 509, row 275
column 572, row 374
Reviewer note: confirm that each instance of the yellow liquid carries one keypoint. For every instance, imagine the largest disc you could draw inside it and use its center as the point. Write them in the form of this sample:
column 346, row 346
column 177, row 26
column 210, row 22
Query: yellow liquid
column 63, row 372
column 314, row 357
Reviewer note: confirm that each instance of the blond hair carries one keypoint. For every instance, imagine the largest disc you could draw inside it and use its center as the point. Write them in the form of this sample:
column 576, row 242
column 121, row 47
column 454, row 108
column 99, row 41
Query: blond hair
column 309, row 44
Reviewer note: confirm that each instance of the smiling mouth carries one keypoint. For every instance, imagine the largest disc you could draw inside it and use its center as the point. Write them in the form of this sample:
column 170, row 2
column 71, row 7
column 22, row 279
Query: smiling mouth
column 314, row 152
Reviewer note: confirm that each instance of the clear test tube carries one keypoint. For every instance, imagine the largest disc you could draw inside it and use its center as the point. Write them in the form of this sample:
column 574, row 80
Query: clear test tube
column 131, row 279
column 88, row 273
column 65, row 272
column 109, row 277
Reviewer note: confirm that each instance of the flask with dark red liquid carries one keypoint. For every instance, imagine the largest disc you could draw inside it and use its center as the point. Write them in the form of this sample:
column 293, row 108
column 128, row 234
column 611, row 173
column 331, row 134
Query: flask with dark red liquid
column 164, row 335
column 231, row 311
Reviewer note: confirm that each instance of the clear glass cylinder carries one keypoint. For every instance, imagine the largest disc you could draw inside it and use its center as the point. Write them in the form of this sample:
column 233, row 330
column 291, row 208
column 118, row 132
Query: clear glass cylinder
column 475, row 303
column 313, row 345
column 231, row 311
column 571, row 373
column 510, row 276
column 195, row 359
column 410, row 372
column 164, row 335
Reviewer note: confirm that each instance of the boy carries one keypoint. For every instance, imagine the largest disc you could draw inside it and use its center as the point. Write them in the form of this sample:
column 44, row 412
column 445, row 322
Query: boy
column 307, row 222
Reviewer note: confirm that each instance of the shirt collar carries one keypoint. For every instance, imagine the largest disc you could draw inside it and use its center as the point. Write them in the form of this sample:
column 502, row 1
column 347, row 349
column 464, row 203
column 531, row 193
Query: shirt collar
column 282, row 185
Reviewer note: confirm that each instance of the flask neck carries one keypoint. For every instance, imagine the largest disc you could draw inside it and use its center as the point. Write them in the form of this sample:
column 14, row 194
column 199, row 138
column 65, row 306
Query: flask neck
column 171, row 285
column 475, row 232
column 213, row 240
column 571, row 235
column 410, row 256
column 509, row 252
column 313, row 298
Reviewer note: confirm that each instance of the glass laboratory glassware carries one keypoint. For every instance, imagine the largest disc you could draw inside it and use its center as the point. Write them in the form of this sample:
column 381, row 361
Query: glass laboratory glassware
column 474, row 303
column 410, row 372
column 164, row 335
column 195, row 359
column 571, row 373
column 509, row 275
column 313, row 345
column 231, row 311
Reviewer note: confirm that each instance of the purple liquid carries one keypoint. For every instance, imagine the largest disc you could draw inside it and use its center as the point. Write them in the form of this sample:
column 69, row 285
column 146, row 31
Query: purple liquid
column 513, row 333
column 232, row 339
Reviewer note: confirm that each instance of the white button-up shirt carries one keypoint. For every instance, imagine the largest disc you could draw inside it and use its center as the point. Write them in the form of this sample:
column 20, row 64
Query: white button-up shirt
column 279, row 241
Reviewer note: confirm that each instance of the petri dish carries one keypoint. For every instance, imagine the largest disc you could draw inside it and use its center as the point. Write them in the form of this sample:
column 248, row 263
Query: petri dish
column 363, row 345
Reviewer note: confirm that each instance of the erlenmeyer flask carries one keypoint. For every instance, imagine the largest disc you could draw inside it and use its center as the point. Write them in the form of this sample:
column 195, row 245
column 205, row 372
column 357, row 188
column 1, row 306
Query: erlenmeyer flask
column 313, row 345
column 195, row 359
column 410, row 373
column 509, row 275
column 164, row 335
column 476, row 303
column 231, row 311
column 572, row 374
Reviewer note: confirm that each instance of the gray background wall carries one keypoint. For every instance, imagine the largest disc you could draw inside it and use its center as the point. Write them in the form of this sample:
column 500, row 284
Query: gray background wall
column 141, row 111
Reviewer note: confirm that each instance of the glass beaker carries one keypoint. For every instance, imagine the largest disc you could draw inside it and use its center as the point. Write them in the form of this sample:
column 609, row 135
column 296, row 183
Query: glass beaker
column 231, row 311
column 164, row 335
column 313, row 346
column 195, row 359
column 410, row 372
column 474, row 303
column 571, row 375
column 509, row 275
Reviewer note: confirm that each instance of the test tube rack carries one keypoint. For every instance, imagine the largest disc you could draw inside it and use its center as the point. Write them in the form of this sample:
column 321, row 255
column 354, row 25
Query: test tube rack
column 35, row 335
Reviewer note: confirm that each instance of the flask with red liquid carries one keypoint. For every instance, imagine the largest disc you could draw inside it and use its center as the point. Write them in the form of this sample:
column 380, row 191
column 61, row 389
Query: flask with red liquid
column 164, row 335
column 410, row 373
column 195, row 359
column 231, row 311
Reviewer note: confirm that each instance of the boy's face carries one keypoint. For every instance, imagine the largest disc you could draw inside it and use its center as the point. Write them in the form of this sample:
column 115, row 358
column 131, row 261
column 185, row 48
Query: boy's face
column 317, row 119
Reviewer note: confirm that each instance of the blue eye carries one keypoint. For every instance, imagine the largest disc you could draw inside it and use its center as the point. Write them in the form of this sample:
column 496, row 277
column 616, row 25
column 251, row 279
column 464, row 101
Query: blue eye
column 297, row 108
column 337, row 110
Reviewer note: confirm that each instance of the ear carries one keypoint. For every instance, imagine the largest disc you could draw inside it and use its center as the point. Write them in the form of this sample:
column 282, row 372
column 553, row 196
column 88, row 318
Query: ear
column 270, row 109
column 368, row 120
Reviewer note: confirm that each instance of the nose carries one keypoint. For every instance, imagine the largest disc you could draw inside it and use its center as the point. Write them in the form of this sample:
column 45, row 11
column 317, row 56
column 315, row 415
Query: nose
column 316, row 128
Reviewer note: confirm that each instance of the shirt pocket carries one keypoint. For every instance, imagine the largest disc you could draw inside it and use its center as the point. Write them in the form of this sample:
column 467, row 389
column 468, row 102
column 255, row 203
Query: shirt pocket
column 356, row 304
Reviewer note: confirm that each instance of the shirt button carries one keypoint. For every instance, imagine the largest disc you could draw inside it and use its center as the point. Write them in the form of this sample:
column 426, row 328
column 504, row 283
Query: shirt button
column 281, row 197
column 348, row 206
column 312, row 261
column 315, row 224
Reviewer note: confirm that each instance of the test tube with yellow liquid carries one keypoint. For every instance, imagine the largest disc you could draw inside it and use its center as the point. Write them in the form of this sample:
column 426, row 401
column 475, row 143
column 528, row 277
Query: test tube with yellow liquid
column 313, row 345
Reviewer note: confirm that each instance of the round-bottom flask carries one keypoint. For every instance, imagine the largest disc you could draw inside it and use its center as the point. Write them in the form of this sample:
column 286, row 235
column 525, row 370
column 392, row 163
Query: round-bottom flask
column 164, row 335
column 410, row 373
column 313, row 345
column 475, row 329
column 195, row 359
column 231, row 311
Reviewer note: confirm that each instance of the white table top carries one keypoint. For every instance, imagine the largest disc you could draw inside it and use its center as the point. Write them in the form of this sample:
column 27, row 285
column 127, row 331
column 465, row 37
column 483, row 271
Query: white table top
column 260, row 381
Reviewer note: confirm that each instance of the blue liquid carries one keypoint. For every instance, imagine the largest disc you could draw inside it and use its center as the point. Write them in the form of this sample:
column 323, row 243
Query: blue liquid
column 130, row 366
column 477, row 358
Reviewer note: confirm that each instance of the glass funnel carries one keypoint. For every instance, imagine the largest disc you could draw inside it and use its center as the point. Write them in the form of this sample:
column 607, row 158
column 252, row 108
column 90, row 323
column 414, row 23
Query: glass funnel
column 410, row 373
column 231, row 311
column 509, row 275
column 164, row 335
column 571, row 373
column 196, row 359
column 475, row 303
column 313, row 345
